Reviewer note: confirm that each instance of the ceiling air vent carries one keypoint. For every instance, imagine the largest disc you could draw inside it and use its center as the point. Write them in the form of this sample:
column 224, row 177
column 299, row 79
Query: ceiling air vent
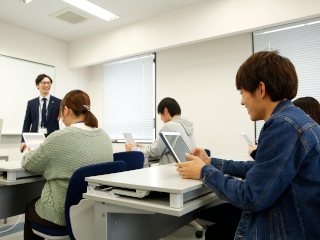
column 71, row 16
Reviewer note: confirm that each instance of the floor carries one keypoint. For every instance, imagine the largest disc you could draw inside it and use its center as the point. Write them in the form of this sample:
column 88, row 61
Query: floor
column 185, row 233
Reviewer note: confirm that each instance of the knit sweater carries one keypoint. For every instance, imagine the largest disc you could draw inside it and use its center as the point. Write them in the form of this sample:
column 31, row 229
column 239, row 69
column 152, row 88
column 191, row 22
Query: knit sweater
column 57, row 158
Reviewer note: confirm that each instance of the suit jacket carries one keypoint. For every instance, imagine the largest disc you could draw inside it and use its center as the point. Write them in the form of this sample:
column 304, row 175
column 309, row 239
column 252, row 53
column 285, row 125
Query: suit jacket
column 31, row 120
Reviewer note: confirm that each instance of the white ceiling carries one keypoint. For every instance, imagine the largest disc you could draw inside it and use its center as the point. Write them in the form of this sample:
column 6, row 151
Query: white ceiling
column 35, row 16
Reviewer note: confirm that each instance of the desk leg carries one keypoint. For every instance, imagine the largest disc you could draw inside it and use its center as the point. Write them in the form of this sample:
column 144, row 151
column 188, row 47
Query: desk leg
column 100, row 221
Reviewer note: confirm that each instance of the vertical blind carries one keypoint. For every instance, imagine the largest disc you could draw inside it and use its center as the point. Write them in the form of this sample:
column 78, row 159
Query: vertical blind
column 129, row 98
column 300, row 42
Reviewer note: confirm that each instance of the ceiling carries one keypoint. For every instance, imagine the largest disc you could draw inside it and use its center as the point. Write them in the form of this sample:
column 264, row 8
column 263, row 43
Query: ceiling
column 35, row 16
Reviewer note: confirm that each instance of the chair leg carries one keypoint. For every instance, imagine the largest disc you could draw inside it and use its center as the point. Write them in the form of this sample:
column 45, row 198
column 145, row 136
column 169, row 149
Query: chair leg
column 197, row 226
column 5, row 220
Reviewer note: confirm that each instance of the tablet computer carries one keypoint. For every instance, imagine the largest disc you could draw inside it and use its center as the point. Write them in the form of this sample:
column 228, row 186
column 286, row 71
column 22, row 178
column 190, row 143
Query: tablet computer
column 33, row 140
column 129, row 138
column 176, row 145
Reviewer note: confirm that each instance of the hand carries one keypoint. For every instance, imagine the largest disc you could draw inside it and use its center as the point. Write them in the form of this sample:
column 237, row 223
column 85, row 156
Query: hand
column 139, row 145
column 190, row 169
column 129, row 147
column 29, row 149
column 201, row 153
column 22, row 147
column 251, row 148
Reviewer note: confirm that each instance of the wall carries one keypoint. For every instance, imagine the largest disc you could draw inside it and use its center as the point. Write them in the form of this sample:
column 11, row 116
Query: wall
column 200, row 22
column 19, row 43
column 201, row 77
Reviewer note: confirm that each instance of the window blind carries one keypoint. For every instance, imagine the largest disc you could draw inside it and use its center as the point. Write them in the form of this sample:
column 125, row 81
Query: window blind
column 300, row 42
column 129, row 98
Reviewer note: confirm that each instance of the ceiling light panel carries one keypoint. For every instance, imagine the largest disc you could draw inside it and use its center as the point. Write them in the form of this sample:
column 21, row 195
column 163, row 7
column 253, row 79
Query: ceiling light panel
column 93, row 9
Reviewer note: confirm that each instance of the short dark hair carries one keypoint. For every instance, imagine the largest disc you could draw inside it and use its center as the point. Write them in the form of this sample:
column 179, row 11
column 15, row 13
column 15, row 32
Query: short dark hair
column 310, row 106
column 276, row 72
column 172, row 106
column 41, row 77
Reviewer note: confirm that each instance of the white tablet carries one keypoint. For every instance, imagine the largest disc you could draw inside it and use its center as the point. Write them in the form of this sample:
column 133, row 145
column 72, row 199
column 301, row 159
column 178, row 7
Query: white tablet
column 245, row 137
column 129, row 138
column 33, row 140
column 176, row 145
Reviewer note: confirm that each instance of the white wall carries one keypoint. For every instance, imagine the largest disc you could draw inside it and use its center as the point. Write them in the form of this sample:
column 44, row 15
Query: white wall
column 200, row 22
column 201, row 77
column 19, row 43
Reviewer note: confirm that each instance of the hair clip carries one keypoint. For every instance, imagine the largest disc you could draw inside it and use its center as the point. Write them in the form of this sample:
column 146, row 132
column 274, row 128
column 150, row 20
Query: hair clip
column 87, row 107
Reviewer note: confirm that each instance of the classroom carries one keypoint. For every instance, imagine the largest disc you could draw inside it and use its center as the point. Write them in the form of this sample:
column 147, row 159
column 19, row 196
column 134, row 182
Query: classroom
column 198, row 47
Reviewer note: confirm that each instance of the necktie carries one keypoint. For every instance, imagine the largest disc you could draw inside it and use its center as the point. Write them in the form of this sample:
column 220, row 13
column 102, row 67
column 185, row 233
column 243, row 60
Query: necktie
column 43, row 114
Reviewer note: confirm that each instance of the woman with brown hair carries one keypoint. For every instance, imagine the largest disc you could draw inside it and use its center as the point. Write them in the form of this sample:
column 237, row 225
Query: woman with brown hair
column 80, row 144
column 310, row 106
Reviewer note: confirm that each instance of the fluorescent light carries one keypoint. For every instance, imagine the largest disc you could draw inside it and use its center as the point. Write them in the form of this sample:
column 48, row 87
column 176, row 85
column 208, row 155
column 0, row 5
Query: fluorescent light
column 28, row 1
column 92, row 8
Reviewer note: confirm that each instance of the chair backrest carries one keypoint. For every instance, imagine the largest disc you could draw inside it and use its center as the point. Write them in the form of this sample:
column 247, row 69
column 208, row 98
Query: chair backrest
column 133, row 159
column 208, row 152
column 78, row 186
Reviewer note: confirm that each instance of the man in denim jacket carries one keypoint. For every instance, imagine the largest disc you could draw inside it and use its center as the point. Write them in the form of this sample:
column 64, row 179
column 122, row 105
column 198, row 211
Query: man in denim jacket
column 280, row 198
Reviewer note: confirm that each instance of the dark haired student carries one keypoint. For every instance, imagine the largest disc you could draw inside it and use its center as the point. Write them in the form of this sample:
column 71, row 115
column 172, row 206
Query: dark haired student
column 170, row 112
column 78, row 145
column 280, row 197
column 42, row 112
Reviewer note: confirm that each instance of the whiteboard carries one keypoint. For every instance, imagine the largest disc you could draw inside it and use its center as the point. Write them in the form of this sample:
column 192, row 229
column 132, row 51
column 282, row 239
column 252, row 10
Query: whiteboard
column 17, row 84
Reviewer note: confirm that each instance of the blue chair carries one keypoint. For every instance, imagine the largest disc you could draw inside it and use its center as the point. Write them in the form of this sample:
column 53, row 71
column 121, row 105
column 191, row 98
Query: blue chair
column 133, row 159
column 208, row 152
column 77, row 186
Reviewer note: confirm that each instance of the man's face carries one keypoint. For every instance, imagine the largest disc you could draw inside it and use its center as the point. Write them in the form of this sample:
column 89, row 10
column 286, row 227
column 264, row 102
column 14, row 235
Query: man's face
column 164, row 117
column 252, row 104
column 44, row 86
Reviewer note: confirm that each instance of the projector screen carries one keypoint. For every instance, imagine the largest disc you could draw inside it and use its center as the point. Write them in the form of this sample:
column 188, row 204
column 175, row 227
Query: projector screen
column 17, row 81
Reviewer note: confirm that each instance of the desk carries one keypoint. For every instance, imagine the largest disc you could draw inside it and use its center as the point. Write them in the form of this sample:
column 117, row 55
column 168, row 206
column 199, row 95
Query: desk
column 17, row 188
column 121, row 217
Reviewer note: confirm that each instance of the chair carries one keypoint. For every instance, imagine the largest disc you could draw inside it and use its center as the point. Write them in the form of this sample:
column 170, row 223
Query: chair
column 133, row 159
column 77, row 186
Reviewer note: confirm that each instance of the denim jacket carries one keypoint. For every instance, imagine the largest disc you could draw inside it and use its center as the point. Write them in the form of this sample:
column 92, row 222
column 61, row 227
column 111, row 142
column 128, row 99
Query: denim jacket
column 280, row 197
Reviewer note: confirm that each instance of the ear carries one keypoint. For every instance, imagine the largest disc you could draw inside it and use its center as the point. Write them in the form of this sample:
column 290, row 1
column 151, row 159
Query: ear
column 165, row 111
column 66, row 111
column 37, row 85
column 262, row 90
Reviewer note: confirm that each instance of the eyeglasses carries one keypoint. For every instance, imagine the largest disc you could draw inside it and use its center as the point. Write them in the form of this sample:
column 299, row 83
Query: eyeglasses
column 45, row 83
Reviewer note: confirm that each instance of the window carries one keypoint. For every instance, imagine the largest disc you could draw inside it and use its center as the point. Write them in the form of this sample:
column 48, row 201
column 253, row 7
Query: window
column 129, row 98
column 300, row 42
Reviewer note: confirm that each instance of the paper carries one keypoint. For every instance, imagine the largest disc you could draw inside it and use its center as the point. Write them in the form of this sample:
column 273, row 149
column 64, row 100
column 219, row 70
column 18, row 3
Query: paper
column 129, row 138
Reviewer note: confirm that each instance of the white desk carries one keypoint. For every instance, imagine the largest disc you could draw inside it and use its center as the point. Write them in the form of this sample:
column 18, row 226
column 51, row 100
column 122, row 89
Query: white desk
column 17, row 188
column 121, row 217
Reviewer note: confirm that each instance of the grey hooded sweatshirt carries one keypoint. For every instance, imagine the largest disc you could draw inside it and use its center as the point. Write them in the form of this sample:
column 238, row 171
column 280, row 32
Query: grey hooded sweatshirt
column 159, row 149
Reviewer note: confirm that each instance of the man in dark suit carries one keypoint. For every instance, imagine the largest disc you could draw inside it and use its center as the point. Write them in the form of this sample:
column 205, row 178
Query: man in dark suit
column 42, row 112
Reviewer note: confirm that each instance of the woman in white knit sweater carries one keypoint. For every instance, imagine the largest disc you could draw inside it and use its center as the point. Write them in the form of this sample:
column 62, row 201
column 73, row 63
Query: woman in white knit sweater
column 80, row 144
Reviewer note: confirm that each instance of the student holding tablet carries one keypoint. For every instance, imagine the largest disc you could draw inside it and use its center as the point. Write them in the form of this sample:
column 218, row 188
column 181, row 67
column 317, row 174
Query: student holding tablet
column 170, row 112
column 280, row 198
column 80, row 144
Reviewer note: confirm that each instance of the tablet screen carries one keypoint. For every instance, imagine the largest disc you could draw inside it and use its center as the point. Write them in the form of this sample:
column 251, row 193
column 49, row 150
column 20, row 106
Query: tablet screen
column 179, row 147
column 33, row 141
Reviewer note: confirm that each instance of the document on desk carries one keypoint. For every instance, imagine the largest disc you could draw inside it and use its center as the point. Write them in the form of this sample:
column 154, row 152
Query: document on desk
column 33, row 140
column 129, row 138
